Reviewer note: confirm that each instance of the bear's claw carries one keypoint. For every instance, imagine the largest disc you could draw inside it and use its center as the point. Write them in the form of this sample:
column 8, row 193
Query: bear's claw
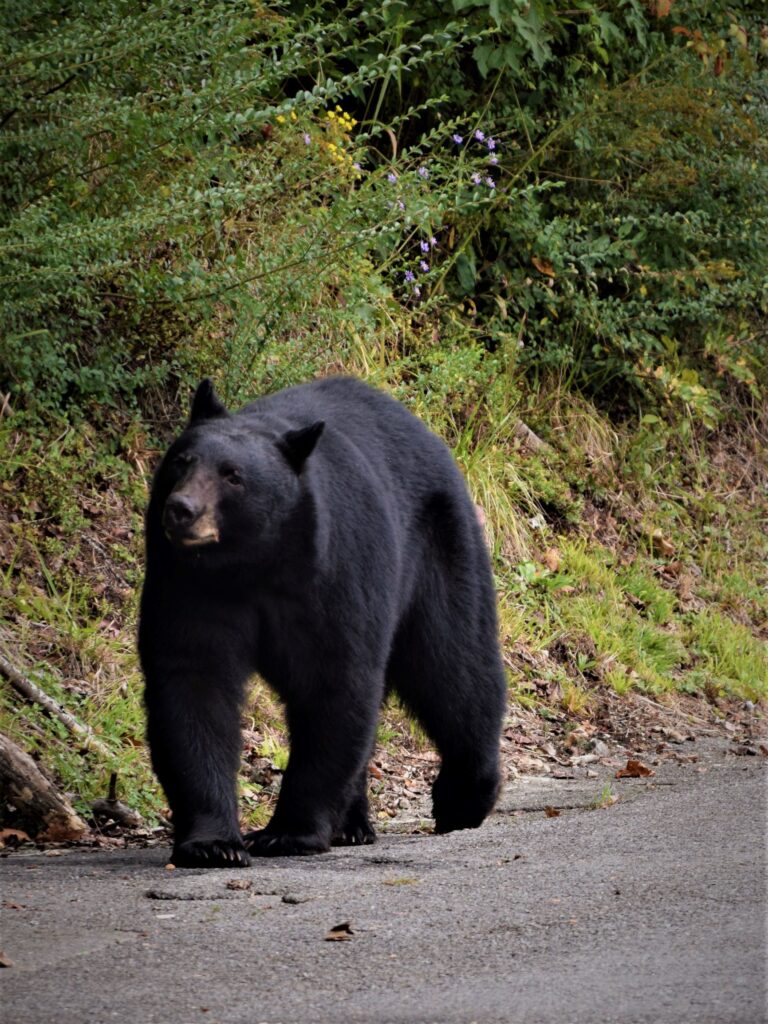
column 274, row 844
column 216, row 853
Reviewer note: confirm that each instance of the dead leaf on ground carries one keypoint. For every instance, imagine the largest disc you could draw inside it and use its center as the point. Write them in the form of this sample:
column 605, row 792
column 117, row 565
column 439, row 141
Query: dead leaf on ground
column 239, row 883
column 551, row 558
column 659, row 544
column 4, row 961
column 634, row 770
column 551, row 812
column 340, row 932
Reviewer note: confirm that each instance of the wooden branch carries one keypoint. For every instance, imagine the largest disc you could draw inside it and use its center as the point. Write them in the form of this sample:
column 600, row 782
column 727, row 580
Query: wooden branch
column 31, row 802
column 111, row 807
column 530, row 440
column 34, row 694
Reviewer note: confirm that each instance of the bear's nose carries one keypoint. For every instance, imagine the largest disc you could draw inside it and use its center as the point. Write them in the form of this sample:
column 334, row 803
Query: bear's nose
column 180, row 510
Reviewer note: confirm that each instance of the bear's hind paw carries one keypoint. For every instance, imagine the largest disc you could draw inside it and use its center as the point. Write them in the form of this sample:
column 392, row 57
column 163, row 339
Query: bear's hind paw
column 216, row 853
column 276, row 844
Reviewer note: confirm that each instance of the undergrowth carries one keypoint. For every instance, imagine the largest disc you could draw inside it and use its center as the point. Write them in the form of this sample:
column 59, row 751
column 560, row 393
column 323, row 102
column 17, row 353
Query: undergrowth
column 514, row 218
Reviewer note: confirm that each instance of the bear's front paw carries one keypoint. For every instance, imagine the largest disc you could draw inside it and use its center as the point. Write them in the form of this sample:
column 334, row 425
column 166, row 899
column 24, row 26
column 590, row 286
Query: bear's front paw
column 276, row 844
column 357, row 832
column 210, row 853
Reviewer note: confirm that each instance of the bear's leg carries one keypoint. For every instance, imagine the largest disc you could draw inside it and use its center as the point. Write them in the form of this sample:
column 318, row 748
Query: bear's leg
column 357, row 829
column 453, row 681
column 194, row 738
column 322, row 797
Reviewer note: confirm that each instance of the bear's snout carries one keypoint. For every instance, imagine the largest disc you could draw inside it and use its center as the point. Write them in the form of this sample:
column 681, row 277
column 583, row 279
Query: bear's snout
column 188, row 522
column 181, row 510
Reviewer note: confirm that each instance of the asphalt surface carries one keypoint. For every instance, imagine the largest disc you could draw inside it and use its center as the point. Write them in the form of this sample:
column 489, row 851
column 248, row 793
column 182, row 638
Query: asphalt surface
column 650, row 910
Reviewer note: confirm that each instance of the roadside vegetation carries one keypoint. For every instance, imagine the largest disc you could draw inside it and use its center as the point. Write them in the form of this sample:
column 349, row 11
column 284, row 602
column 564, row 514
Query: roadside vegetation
column 544, row 230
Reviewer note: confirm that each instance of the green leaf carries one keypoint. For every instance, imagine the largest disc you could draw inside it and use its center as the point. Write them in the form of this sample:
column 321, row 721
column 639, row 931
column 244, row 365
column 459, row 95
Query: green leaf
column 466, row 270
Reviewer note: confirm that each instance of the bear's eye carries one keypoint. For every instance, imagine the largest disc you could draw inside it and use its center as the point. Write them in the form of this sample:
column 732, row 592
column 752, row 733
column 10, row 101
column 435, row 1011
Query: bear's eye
column 183, row 460
column 231, row 475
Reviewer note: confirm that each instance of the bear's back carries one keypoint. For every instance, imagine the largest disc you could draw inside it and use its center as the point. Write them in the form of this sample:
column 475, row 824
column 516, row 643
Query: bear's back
column 394, row 442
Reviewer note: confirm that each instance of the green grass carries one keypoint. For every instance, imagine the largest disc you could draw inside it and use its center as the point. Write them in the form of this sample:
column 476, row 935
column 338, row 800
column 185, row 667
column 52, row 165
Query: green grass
column 729, row 660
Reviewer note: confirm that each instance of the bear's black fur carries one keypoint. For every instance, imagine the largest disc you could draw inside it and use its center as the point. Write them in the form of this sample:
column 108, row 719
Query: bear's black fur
column 324, row 538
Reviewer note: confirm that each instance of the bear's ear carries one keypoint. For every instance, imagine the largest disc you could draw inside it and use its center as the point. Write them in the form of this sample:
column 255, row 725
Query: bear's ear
column 298, row 445
column 205, row 404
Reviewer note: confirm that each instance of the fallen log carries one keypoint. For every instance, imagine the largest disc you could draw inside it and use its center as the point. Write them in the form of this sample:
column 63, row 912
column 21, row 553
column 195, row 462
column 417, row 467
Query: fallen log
column 30, row 802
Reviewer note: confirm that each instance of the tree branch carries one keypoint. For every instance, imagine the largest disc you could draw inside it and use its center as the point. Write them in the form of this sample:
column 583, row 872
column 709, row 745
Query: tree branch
column 33, row 693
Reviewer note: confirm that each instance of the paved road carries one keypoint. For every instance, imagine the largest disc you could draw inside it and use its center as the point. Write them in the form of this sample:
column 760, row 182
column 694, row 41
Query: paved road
column 652, row 910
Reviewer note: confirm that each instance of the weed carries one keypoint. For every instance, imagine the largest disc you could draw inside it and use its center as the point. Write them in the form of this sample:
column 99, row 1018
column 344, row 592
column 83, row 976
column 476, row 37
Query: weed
column 605, row 798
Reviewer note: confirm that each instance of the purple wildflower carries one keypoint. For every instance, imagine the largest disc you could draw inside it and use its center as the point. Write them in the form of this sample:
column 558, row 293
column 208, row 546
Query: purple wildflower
column 400, row 204
column 409, row 276
column 392, row 177
column 476, row 179
column 493, row 160
column 479, row 136
column 307, row 139
column 491, row 143
column 424, row 246
column 433, row 242
column 424, row 266
column 423, row 172
column 457, row 139
column 417, row 292
column 490, row 183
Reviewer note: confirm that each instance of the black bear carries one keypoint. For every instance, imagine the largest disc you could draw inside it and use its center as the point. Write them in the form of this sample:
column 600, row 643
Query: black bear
column 324, row 538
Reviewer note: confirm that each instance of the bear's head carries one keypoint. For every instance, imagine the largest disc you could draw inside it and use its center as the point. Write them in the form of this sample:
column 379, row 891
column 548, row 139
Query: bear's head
column 230, row 481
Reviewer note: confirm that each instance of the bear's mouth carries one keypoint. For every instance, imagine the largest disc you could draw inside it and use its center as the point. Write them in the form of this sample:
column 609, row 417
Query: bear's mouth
column 192, row 539
column 196, row 541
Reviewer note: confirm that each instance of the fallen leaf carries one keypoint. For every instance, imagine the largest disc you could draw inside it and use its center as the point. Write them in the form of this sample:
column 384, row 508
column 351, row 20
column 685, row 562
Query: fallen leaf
column 239, row 883
column 551, row 812
column 543, row 266
column 673, row 736
column 551, row 559
column 4, row 961
column 340, row 932
column 634, row 770
column 170, row 867
column 660, row 545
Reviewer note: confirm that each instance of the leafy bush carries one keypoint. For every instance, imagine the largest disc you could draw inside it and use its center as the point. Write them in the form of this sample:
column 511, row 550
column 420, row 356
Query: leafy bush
column 266, row 190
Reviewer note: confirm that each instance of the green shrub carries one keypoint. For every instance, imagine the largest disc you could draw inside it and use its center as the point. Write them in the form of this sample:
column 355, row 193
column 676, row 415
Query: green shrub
column 249, row 188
